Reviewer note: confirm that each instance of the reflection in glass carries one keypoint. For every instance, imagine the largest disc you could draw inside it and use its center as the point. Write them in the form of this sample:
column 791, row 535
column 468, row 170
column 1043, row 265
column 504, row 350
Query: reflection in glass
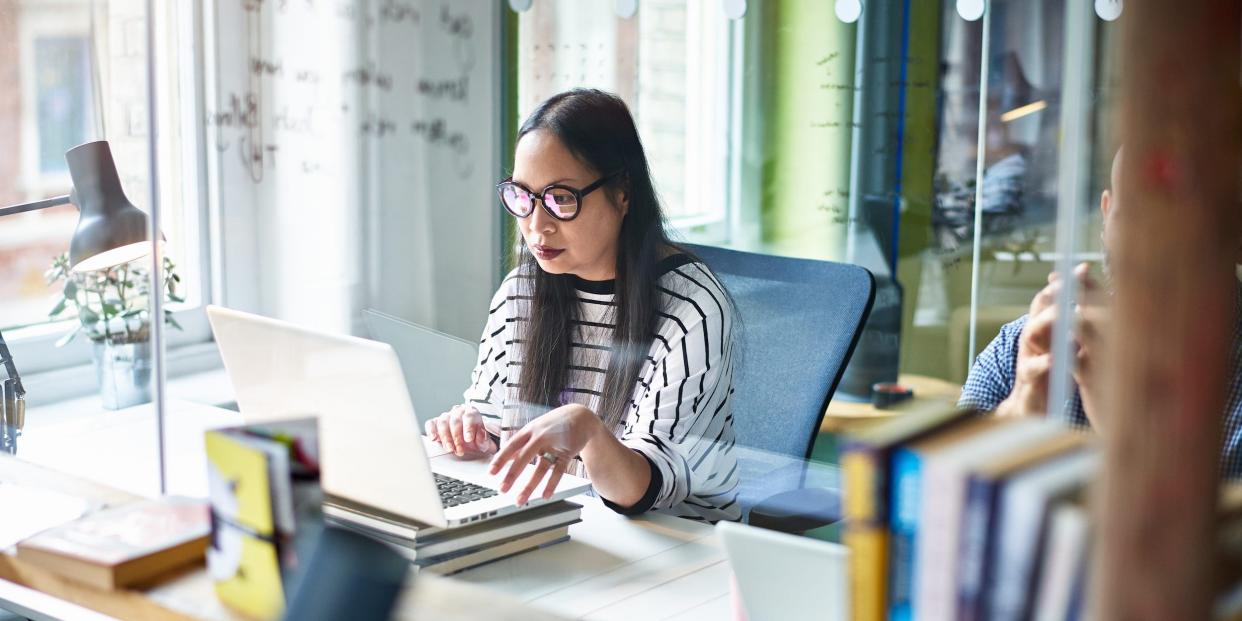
column 65, row 93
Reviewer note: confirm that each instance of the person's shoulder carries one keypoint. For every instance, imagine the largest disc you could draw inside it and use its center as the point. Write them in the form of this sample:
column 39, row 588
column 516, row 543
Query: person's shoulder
column 1004, row 348
column 992, row 376
column 1012, row 331
column 689, row 282
column 515, row 283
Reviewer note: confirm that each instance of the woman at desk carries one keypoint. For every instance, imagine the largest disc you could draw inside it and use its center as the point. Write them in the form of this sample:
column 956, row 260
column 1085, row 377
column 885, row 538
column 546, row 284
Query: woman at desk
column 607, row 351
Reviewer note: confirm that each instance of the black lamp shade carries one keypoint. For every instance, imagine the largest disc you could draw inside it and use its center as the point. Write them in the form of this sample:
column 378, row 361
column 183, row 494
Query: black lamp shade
column 111, row 230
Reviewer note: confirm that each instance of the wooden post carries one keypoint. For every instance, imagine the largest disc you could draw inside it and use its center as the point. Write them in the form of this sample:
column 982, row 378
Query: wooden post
column 1173, row 269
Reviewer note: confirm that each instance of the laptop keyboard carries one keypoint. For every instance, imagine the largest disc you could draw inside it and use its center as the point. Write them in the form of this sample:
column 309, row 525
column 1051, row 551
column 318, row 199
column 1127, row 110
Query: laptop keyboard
column 455, row 492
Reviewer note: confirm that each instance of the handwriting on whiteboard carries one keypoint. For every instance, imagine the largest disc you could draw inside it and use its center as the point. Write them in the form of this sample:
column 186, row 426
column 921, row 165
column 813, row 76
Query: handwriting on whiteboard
column 289, row 100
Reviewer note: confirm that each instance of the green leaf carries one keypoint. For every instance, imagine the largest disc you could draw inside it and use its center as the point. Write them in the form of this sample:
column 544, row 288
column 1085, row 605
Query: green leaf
column 64, row 340
column 87, row 316
column 109, row 309
column 176, row 298
column 133, row 312
column 59, row 308
column 173, row 322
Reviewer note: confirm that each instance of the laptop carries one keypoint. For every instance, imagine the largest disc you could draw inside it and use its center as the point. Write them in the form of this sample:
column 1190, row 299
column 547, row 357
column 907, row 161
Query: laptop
column 787, row 577
column 437, row 366
column 373, row 453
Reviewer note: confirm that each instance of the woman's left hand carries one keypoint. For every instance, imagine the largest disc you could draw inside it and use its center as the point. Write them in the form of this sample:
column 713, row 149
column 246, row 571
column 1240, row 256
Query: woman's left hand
column 555, row 438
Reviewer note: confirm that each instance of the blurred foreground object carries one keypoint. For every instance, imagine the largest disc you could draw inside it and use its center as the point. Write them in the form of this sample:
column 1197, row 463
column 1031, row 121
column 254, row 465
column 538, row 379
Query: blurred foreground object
column 1173, row 272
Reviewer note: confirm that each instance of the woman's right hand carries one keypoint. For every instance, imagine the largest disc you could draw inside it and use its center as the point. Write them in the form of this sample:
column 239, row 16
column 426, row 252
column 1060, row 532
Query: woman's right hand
column 461, row 432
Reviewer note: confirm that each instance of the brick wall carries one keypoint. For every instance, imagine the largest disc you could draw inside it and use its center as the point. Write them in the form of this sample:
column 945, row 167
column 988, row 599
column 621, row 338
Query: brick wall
column 125, row 103
column 661, row 89
column 10, row 104
column 570, row 43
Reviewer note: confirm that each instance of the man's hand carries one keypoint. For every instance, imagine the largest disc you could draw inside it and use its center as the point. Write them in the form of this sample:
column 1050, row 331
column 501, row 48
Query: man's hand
column 1090, row 321
column 1029, row 396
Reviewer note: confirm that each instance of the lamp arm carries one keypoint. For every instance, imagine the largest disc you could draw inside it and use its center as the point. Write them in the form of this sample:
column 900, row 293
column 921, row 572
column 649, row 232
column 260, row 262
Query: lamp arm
column 6, row 359
column 12, row 403
column 37, row 205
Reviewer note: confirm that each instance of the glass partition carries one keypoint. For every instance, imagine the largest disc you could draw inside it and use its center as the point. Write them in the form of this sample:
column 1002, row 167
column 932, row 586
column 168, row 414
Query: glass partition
column 881, row 141
column 318, row 161
column 351, row 169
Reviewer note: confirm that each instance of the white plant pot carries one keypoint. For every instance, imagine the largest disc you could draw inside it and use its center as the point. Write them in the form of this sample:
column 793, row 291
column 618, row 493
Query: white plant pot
column 124, row 372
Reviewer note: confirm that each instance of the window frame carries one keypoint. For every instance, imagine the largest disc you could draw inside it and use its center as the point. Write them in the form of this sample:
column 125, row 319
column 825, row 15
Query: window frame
column 710, row 112
column 63, row 18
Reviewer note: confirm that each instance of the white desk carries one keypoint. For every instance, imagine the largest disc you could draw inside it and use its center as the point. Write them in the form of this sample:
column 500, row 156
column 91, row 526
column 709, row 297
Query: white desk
column 654, row 567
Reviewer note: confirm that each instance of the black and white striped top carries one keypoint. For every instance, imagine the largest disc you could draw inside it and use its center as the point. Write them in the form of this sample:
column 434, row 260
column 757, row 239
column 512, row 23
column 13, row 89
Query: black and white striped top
column 680, row 417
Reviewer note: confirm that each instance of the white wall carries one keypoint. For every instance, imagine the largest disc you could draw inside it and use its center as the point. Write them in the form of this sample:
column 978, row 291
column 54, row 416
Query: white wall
column 354, row 149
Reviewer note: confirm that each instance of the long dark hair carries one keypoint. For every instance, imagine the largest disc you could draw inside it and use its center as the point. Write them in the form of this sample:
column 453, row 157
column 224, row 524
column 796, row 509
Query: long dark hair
column 596, row 127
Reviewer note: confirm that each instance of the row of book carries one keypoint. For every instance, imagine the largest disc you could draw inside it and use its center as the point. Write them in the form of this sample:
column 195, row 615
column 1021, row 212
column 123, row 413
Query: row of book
column 952, row 514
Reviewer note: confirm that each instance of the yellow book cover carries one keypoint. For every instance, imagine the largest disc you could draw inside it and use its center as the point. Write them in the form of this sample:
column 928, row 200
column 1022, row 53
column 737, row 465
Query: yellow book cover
column 865, row 536
column 243, row 558
column 860, row 487
column 868, row 576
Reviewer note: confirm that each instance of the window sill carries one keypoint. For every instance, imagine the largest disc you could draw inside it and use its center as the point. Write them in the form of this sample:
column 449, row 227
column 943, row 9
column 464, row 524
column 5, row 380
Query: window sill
column 195, row 373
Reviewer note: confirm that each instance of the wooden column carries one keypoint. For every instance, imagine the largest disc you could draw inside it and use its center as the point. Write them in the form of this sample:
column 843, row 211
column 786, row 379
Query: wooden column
column 1174, row 277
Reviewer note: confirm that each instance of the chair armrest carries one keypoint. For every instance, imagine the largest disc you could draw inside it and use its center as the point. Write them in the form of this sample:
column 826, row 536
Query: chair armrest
column 797, row 511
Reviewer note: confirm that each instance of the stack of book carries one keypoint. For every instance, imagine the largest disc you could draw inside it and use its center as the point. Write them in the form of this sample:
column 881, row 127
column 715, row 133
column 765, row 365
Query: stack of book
column 450, row 550
column 958, row 515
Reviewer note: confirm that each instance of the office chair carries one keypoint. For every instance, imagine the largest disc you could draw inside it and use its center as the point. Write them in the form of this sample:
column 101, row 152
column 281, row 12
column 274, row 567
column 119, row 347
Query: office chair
column 349, row 576
column 800, row 320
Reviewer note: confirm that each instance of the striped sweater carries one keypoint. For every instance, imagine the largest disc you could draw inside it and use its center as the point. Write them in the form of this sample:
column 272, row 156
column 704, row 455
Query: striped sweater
column 679, row 417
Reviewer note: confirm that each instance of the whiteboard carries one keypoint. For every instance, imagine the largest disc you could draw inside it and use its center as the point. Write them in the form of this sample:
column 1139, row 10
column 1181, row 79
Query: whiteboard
column 354, row 146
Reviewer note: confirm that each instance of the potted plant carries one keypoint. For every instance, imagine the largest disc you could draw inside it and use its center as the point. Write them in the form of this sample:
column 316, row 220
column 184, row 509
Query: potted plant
column 112, row 311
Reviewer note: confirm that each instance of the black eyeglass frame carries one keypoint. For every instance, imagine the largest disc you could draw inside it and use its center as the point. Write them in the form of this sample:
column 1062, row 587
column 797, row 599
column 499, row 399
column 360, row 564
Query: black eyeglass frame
column 579, row 195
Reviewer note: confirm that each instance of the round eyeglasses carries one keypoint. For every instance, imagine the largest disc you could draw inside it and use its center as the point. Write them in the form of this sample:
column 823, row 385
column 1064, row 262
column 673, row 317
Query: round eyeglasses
column 560, row 201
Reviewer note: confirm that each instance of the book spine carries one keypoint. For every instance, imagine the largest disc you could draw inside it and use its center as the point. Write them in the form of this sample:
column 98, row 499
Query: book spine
column 1063, row 553
column 484, row 539
column 976, row 525
column 865, row 530
column 1079, row 604
column 904, row 527
column 868, row 557
column 1017, row 550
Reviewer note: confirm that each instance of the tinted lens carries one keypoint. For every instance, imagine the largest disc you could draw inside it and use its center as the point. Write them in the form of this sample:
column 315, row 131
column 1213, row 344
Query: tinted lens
column 561, row 202
column 515, row 199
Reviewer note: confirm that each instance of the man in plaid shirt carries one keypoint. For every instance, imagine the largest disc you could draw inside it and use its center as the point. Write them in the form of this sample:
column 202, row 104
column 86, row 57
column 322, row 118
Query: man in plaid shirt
column 1010, row 376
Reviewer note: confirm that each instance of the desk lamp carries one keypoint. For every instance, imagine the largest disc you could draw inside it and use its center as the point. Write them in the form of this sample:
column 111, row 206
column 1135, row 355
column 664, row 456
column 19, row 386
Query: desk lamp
column 111, row 231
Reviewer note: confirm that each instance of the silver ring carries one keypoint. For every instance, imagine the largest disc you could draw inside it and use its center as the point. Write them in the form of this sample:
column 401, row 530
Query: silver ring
column 550, row 457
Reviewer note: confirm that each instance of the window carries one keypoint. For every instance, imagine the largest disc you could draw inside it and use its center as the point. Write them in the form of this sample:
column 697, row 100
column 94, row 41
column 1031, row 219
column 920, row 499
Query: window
column 63, row 90
column 791, row 132
column 80, row 69
column 1027, row 100
column 670, row 63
